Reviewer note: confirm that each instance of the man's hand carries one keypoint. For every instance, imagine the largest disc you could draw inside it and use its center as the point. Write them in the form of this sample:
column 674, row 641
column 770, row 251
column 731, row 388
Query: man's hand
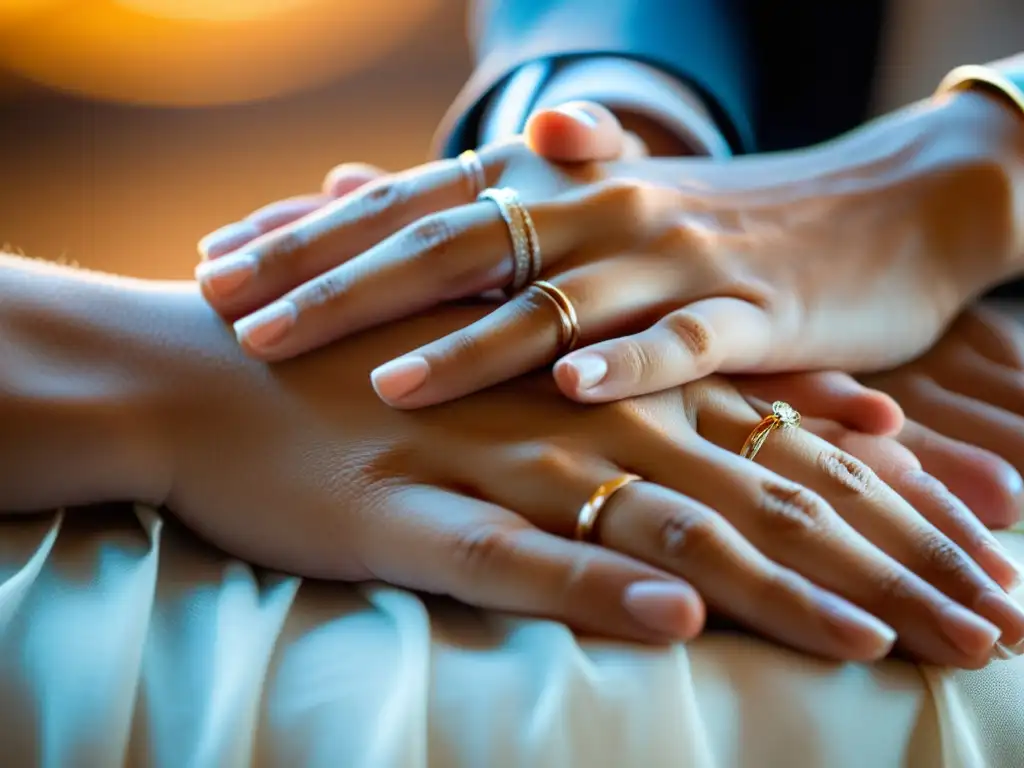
column 965, row 401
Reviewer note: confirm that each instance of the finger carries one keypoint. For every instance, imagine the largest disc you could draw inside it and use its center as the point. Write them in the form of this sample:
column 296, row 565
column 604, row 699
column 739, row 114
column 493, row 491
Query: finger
column 521, row 335
column 348, row 177
column 685, row 538
column 270, row 217
column 950, row 515
column 974, row 376
column 278, row 261
column 830, row 395
column 575, row 132
column 633, row 148
column 798, row 528
column 882, row 517
column 686, row 345
column 993, row 333
column 986, row 483
column 460, row 253
column 965, row 419
column 484, row 555
column 899, row 469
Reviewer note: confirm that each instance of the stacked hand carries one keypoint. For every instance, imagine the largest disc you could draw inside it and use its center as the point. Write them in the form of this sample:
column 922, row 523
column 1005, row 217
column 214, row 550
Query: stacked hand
column 757, row 265
column 302, row 467
column 965, row 400
column 277, row 255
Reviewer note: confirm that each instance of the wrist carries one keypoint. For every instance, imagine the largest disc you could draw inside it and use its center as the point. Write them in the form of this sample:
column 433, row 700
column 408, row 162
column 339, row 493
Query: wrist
column 978, row 168
column 84, row 394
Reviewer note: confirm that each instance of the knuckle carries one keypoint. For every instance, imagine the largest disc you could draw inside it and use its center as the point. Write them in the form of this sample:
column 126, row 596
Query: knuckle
column 541, row 460
column 944, row 558
column 431, row 236
column 631, row 204
column 321, row 291
column 383, row 195
column 465, row 349
column 635, row 360
column 284, row 247
column 685, row 534
column 694, row 334
column 790, row 509
column 846, row 472
column 892, row 589
column 480, row 548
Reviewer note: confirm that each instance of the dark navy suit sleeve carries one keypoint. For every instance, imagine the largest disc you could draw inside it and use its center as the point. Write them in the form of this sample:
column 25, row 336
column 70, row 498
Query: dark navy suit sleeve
column 702, row 42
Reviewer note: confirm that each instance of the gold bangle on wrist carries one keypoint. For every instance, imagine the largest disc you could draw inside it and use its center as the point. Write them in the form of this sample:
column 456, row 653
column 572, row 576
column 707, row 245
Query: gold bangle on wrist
column 977, row 77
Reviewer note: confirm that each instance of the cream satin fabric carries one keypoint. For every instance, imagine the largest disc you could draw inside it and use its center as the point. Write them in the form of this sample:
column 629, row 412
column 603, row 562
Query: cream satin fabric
column 124, row 641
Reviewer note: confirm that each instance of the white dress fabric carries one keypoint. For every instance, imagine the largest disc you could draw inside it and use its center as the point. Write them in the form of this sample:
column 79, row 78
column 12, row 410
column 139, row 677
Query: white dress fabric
column 124, row 641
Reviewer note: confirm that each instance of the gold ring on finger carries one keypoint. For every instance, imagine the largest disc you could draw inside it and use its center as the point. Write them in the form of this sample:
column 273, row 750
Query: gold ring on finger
column 506, row 199
column 586, row 520
column 473, row 172
column 569, row 335
column 783, row 416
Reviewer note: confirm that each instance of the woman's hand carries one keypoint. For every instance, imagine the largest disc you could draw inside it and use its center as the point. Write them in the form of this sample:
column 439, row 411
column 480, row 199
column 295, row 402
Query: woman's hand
column 847, row 255
column 966, row 398
column 301, row 467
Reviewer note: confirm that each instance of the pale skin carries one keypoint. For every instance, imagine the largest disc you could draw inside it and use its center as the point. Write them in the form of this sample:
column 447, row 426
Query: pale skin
column 854, row 255
column 122, row 389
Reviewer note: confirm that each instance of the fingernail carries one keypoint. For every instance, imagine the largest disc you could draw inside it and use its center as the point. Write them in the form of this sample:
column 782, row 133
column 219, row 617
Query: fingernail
column 589, row 369
column 997, row 607
column 224, row 277
column 967, row 631
column 398, row 378
column 265, row 329
column 846, row 619
column 662, row 606
column 1007, row 652
column 578, row 114
column 227, row 239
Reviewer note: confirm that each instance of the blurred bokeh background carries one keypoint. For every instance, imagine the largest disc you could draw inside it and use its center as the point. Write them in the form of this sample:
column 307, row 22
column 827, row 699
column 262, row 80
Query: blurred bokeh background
column 129, row 128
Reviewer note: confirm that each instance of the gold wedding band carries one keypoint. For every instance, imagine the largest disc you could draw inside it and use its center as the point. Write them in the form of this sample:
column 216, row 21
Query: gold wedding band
column 569, row 335
column 473, row 171
column 589, row 512
column 783, row 416
column 526, row 261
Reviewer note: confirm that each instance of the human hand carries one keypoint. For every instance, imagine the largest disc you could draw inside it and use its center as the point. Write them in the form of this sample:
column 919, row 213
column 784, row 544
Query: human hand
column 965, row 397
column 731, row 251
column 301, row 467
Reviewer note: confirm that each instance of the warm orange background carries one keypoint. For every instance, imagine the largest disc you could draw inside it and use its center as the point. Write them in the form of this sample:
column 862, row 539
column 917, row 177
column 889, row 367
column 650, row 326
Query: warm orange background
column 129, row 128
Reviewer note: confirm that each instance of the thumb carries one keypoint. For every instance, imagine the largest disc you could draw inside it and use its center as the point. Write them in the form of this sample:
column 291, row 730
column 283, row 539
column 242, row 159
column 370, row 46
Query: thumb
column 576, row 132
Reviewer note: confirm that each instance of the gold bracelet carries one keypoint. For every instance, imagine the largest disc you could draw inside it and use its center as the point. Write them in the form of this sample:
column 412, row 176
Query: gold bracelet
column 975, row 76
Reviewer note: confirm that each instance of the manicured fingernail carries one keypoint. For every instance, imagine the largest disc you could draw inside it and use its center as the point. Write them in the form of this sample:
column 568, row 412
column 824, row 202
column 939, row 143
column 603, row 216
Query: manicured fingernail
column 662, row 606
column 589, row 369
column 265, row 329
column 227, row 239
column 845, row 619
column 967, row 631
column 398, row 378
column 1007, row 652
column 223, row 277
column 578, row 114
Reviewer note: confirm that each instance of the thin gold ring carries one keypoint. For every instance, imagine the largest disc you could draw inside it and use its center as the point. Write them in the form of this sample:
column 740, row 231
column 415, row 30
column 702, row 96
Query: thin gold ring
column 506, row 199
column 974, row 76
column 783, row 416
column 473, row 170
column 532, row 239
column 570, row 333
column 586, row 520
